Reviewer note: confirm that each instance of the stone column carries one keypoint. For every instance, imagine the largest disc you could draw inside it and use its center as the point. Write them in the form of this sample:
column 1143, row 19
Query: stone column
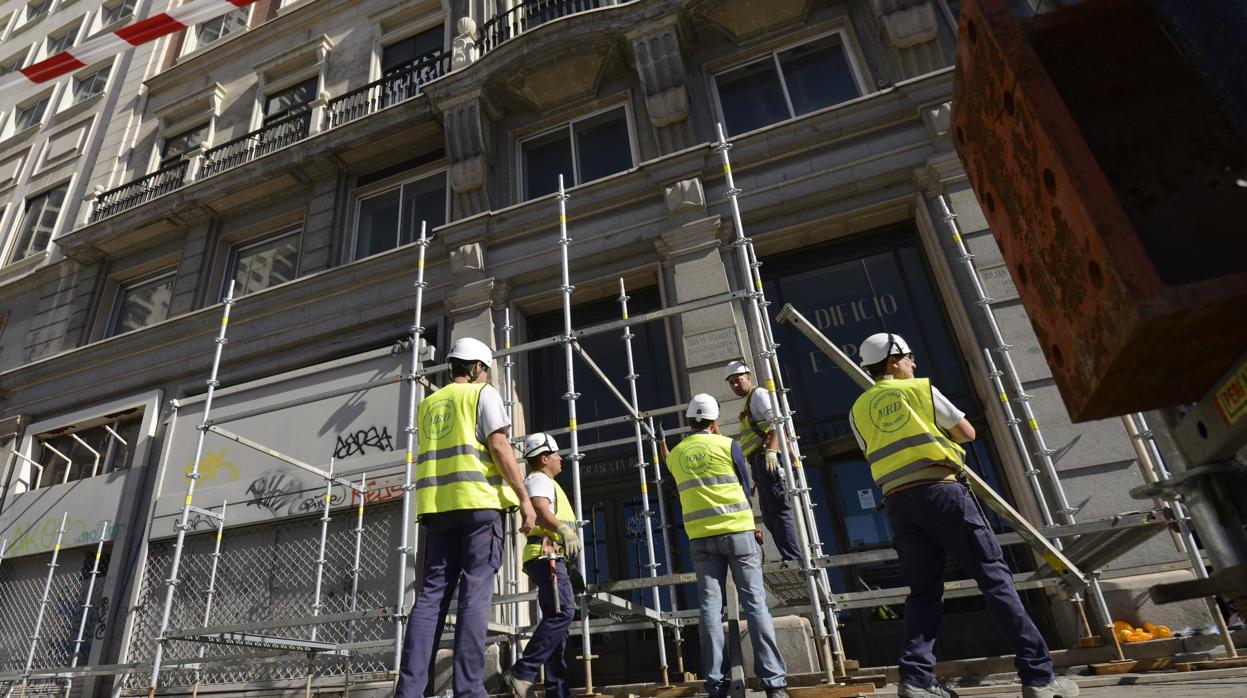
column 660, row 65
column 468, row 125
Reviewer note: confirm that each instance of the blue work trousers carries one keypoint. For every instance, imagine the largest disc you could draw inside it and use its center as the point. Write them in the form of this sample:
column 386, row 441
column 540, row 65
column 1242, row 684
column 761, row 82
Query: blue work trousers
column 929, row 523
column 464, row 551
column 712, row 558
column 776, row 510
column 548, row 645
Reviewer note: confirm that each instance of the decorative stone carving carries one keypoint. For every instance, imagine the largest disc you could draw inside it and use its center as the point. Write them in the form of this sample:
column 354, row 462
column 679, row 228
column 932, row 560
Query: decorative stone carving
column 744, row 20
column 467, row 124
column 468, row 259
column 468, row 174
column 463, row 47
column 685, row 196
column 910, row 26
column 909, row 29
column 660, row 65
column 571, row 75
column 940, row 118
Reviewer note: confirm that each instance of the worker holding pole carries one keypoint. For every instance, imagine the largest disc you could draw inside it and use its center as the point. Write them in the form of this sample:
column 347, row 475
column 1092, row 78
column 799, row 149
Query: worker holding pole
column 550, row 543
column 911, row 436
column 710, row 474
column 760, row 443
column 466, row 477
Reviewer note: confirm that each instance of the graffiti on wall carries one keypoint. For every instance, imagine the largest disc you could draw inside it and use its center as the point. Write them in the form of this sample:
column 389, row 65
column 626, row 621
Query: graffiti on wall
column 30, row 537
column 274, row 491
column 214, row 465
column 363, row 441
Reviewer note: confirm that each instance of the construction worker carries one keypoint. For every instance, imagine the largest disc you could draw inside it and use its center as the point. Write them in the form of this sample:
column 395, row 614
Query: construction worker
column 760, row 443
column 710, row 474
column 551, row 542
column 466, row 477
column 910, row 434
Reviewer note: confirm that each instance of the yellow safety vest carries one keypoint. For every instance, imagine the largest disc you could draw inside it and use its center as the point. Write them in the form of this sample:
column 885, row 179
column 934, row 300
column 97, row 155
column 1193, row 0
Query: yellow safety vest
column 750, row 438
column 563, row 512
column 454, row 470
column 896, row 419
column 711, row 495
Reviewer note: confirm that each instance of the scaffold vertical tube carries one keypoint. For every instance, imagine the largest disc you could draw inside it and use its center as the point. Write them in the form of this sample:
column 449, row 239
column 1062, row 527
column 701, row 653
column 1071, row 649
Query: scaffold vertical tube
column 362, row 493
column 1141, row 433
column 510, row 575
column 646, row 512
column 86, row 605
column 664, row 528
column 191, row 478
column 210, row 591
column 575, row 455
column 801, row 485
column 1028, row 465
column 43, row 605
column 1044, row 453
column 407, row 542
column 824, row 627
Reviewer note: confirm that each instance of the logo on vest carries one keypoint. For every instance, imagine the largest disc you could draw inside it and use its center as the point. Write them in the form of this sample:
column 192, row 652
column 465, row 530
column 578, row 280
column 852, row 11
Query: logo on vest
column 438, row 420
column 888, row 411
column 697, row 459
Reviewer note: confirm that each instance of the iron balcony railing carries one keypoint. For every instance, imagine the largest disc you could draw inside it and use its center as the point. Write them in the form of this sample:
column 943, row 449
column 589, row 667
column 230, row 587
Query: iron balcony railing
column 529, row 15
column 141, row 190
column 396, row 86
column 278, row 134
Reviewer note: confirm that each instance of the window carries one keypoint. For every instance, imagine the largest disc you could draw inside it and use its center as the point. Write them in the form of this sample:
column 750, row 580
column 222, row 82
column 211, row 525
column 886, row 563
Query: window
column 409, row 63
column 786, row 84
column 31, row 114
column 257, row 266
column 12, row 63
column 289, row 101
column 142, row 303
column 582, row 151
column 38, row 223
column 61, row 41
column 37, row 9
column 87, row 452
column 391, row 218
column 88, row 86
column 116, row 11
column 402, row 53
column 207, row 32
column 179, row 144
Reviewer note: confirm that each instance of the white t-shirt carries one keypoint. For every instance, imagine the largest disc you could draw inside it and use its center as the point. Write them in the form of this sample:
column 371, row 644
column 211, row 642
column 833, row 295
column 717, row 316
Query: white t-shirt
column 491, row 414
column 947, row 415
column 538, row 484
column 760, row 407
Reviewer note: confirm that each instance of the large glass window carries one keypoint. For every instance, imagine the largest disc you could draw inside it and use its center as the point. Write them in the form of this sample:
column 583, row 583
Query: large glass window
column 177, row 145
column 142, row 303
column 259, row 265
column 37, row 8
column 289, row 101
column 207, row 32
column 102, row 448
column 581, row 151
column 392, row 218
column 786, row 83
column 61, row 41
column 116, row 11
column 38, row 223
column 87, row 86
column 404, row 52
column 31, row 114
column 12, row 63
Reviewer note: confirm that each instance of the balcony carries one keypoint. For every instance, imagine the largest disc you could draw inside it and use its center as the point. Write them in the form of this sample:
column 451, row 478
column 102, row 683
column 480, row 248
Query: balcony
column 141, row 190
column 278, row 134
column 530, row 15
column 392, row 88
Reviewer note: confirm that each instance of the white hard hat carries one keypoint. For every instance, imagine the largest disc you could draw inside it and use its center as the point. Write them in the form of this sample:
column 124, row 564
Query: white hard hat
column 469, row 349
column 539, row 445
column 734, row 368
column 878, row 347
column 703, row 406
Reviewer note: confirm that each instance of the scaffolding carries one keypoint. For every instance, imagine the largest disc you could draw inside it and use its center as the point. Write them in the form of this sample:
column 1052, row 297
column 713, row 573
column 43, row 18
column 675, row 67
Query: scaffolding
column 602, row 610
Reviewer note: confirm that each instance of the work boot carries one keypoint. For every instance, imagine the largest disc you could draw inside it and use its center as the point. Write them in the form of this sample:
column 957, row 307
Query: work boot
column 780, row 692
column 1058, row 687
column 908, row 690
column 522, row 688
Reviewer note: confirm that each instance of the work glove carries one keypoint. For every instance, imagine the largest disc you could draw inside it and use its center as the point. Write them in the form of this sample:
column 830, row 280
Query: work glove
column 772, row 461
column 571, row 542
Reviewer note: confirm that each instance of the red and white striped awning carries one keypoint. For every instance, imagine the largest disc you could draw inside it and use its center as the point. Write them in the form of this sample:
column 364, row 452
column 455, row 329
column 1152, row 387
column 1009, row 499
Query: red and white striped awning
column 112, row 43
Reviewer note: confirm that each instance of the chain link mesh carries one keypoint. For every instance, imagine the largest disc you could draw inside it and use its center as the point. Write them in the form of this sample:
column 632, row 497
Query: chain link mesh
column 268, row 572
column 21, row 592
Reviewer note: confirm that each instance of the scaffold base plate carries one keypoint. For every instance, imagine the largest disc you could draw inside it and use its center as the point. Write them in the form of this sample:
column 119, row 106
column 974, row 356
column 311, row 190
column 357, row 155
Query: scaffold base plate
column 1132, row 666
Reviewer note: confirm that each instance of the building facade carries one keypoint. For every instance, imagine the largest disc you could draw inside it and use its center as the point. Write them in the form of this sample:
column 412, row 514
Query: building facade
column 292, row 150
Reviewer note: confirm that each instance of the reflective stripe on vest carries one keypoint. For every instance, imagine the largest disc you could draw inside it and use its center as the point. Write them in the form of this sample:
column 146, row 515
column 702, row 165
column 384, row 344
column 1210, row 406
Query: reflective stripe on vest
column 711, row 495
column 454, row 470
column 563, row 512
column 749, row 439
column 896, row 420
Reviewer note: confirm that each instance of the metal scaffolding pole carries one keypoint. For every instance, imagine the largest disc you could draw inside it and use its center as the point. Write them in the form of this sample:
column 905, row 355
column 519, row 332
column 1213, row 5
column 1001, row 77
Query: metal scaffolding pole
column 825, row 631
column 1141, row 435
column 210, row 592
column 1044, row 453
column 646, row 512
column 86, row 605
column 407, row 544
column 510, row 575
column 665, row 529
column 362, row 493
column 570, row 396
column 320, row 573
column 191, row 478
column 43, row 607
